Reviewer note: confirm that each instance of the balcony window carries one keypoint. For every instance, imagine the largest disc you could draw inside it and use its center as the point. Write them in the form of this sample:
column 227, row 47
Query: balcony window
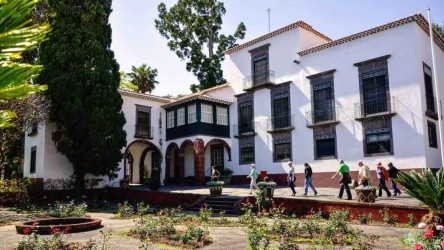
column 374, row 92
column 180, row 116
column 143, row 122
column 260, row 69
column 433, row 140
column 430, row 98
column 170, row 119
column 192, row 113
column 281, row 112
column 323, row 109
column 246, row 118
column 206, row 113
column 222, row 115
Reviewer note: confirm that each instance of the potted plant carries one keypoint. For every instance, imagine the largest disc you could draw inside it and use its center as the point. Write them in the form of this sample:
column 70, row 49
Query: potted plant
column 267, row 187
column 365, row 194
column 153, row 183
column 215, row 187
column 124, row 183
column 226, row 175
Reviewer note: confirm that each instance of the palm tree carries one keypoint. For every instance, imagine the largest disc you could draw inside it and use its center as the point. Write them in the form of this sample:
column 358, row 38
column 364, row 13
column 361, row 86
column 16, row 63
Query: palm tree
column 429, row 189
column 16, row 36
column 144, row 77
column 125, row 83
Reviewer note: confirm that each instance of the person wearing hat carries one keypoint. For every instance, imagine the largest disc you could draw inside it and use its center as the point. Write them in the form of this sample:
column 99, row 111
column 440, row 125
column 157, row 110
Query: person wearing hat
column 344, row 172
column 291, row 178
column 253, row 175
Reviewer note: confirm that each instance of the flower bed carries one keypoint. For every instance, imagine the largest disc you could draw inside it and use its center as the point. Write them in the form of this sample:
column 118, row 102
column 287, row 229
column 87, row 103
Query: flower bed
column 48, row 226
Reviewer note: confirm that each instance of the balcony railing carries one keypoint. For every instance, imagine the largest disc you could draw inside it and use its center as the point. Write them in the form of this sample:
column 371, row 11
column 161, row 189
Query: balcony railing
column 246, row 128
column 143, row 131
column 321, row 116
column 375, row 107
column 266, row 77
column 280, row 122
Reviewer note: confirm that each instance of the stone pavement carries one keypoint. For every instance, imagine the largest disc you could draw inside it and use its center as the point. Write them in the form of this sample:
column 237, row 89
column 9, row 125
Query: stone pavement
column 324, row 194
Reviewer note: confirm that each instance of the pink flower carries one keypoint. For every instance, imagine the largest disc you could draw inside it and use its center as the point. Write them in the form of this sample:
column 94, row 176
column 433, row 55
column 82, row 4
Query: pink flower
column 428, row 235
column 442, row 245
column 422, row 225
column 440, row 228
column 418, row 246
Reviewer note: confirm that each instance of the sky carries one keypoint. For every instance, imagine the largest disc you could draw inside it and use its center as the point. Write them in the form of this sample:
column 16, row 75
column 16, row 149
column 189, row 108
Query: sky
column 137, row 41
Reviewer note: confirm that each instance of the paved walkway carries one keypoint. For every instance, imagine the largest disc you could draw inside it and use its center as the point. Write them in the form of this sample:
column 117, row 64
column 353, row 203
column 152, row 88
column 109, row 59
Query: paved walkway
column 325, row 194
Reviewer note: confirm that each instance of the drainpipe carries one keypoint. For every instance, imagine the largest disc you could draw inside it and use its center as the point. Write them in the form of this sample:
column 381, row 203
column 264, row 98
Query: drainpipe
column 436, row 86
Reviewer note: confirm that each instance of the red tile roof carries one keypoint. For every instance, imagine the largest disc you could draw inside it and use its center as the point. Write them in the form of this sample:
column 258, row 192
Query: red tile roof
column 201, row 95
column 418, row 18
column 146, row 96
column 295, row 25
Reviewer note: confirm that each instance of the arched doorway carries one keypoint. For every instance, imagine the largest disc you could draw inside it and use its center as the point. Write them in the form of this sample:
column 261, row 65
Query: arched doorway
column 214, row 150
column 172, row 171
column 145, row 159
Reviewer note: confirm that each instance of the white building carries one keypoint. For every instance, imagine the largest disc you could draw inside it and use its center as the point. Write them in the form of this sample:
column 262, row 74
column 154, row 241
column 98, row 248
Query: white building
column 293, row 94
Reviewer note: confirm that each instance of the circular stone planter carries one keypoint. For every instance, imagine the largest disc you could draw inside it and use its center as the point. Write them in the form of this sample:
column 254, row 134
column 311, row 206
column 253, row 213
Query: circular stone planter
column 46, row 226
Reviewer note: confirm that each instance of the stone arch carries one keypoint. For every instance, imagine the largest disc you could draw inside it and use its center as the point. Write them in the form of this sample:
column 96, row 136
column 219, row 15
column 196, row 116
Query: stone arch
column 224, row 143
column 199, row 160
column 168, row 178
column 156, row 162
column 184, row 144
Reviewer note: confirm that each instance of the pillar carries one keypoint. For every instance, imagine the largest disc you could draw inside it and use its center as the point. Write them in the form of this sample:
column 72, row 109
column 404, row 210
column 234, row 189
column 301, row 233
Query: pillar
column 199, row 162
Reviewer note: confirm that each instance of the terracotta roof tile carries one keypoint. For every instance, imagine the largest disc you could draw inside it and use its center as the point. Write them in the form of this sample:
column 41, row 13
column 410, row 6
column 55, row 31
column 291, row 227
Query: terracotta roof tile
column 145, row 96
column 298, row 24
column 201, row 95
column 418, row 18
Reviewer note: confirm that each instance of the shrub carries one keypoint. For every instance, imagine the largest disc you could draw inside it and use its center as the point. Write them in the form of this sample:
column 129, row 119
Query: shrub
column 215, row 183
column 363, row 188
column 205, row 213
column 61, row 210
column 125, row 210
column 264, row 184
column 142, row 208
column 156, row 227
column 391, row 220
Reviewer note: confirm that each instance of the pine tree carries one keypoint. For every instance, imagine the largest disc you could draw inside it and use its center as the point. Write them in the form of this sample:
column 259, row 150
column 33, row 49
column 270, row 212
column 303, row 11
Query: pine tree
column 83, row 79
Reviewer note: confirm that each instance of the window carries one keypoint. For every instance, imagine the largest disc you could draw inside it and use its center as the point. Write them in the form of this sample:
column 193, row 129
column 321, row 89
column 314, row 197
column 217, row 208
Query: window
column 433, row 141
column 246, row 118
column 378, row 140
column 282, row 146
column 323, row 108
column 206, row 113
column 259, row 65
column 246, row 152
column 180, row 116
column 222, row 115
column 281, row 114
column 33, row 160
column 430, row 99
column 374, row 92
column 325, row 142
column 170, row 119
column 192, row 113
column 143, row 121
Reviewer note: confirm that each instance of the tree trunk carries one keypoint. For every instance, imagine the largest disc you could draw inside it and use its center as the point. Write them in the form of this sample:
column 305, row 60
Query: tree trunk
column 79, row 182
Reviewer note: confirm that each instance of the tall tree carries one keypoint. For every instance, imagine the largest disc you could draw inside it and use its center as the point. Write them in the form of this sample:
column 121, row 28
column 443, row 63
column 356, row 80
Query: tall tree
column 438, row 28
column 144, row 77
column 17, row 35
column 83, row 79
column 192, row 28
column 125, row 83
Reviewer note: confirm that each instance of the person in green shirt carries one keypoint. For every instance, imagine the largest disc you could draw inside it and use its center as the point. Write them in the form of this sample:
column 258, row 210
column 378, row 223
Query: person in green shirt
column 344, row 172
column 253, row 175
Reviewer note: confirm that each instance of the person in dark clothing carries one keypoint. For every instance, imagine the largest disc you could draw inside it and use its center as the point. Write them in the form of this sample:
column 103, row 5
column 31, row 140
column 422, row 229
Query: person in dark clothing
column 393, row 173
column 309, row 179
column 382, row 176
column 344, row 172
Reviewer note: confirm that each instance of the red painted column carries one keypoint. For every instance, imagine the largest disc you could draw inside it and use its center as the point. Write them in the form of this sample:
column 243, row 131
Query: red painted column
column 199, row 162
column 181, row 165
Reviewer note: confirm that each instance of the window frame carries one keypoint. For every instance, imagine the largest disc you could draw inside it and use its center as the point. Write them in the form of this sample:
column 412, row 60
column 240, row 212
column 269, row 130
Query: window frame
column 206, row 113
column 170, row 119
column 181, row 116
column 33, row 160
column 275, row 144
column 222, row 118
column 430, row 112
column 433, row 142
column 325, row 133
column 246, row 143
column 192, row 113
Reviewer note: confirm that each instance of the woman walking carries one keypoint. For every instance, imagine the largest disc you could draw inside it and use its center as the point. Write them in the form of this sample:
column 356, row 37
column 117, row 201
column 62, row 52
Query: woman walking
column 393, row 174
column 309, row 179
column 253, row 175
column 382, row 176
column 291, row 178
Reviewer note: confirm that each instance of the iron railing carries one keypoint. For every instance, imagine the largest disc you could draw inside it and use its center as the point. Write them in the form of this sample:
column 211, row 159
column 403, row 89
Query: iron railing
column 280, row 122
column 143, row 131
column 258, row 79
column 321, row 116
column 374, row 107
column 245, row 128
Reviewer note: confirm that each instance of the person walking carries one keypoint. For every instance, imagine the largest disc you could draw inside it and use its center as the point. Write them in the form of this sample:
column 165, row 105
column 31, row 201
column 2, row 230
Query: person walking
column 364, row 174
column 215, row 175
column 253, row 175
column 382, row 177
column 344, row 172
column 309, row 179
column 393, row 174
column 291, row 178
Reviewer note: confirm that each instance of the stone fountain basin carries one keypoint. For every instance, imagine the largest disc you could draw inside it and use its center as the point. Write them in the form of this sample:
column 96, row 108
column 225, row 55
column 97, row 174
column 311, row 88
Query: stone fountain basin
column 67, row 225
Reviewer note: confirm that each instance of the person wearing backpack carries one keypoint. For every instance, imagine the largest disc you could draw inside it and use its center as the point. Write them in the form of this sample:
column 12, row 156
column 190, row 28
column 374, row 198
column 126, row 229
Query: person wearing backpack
column 382, row 176
column 393, row 174
column 291, row 178
column 253, row 175
column 309, row 179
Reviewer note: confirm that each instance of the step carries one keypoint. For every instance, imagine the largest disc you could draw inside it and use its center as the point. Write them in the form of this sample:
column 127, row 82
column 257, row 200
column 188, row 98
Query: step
column 215, row 206
column 217, row 202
